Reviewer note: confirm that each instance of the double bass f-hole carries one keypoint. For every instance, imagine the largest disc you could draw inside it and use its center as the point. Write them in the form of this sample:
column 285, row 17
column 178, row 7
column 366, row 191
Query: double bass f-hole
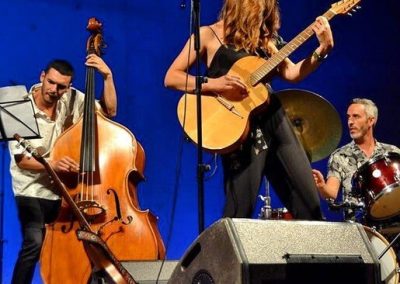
column 118, row 208
column 118, row 217
column 92, row 210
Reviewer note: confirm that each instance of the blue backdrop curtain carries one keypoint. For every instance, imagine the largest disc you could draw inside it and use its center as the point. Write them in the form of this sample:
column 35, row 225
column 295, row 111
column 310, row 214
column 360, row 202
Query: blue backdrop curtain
column 143, row 37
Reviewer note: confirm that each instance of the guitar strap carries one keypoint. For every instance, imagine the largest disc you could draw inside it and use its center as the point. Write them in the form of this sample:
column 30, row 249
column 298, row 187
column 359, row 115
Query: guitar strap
column 69, row 118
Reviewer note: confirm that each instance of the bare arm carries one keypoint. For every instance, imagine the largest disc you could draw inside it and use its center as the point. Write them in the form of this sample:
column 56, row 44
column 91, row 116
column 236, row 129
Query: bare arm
column 66, row 164
column 109, row 98
column 177, row 77
column 296, row 72
column 328, row 188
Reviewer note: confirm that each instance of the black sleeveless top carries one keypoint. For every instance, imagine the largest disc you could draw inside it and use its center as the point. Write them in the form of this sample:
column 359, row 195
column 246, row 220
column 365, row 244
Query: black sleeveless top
column 227, row 55
column 223, row 60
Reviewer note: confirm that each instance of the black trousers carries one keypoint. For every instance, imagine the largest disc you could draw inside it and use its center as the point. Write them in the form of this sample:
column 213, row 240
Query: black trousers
column 284, row 163
column 33, row 214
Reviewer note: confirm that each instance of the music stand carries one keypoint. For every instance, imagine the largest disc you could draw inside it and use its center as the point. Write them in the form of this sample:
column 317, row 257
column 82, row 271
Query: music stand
column 16, row 116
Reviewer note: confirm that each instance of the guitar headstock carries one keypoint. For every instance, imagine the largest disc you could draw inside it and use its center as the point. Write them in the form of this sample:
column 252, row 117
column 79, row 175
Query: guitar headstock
column 345, row 7
column 28, row 148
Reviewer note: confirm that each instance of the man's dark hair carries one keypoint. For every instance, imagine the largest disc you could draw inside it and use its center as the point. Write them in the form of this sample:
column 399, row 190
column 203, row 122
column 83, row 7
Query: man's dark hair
column 62, row 66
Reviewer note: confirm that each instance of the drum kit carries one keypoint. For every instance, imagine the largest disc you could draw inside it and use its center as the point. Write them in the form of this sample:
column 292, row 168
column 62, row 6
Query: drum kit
column 377, row 184
column 375, row 192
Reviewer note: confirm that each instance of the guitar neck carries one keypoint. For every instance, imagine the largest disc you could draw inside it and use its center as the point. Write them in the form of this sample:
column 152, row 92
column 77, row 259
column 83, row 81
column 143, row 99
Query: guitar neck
column 285, row 51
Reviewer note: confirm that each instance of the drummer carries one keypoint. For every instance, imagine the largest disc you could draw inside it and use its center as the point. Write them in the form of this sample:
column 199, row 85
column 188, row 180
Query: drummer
column 362, row 115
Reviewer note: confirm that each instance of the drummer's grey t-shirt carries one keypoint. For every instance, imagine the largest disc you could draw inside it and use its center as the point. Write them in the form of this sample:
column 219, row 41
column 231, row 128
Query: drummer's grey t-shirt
column 345, row 161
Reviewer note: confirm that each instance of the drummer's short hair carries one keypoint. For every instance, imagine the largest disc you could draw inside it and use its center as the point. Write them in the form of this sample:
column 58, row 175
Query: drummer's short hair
column 370, row 107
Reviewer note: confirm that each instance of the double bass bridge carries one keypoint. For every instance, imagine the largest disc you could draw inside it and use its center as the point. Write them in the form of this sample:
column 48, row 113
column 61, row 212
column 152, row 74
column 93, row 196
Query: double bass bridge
column 91, row 209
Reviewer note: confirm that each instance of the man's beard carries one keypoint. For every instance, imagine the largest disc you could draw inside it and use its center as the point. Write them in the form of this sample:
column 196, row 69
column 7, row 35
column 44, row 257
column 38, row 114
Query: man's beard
column 358, row 134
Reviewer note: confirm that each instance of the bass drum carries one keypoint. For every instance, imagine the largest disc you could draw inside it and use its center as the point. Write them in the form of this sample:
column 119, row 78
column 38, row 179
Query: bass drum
column 388, row 262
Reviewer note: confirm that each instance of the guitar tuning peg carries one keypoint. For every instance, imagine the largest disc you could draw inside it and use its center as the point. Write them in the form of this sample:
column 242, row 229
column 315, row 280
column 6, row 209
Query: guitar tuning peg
column 350, row 14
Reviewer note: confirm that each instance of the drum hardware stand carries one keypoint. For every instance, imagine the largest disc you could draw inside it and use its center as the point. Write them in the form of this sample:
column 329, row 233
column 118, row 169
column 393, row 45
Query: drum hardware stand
column 346, row 204
column 266, row 211
column 389, row 246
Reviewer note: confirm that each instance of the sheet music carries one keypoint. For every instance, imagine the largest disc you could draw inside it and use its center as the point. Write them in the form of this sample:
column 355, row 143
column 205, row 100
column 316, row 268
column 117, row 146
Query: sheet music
column 16, row 114
column 13, row 93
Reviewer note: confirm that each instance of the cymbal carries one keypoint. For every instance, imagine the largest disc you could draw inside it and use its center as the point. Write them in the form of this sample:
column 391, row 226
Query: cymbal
column 315, row 121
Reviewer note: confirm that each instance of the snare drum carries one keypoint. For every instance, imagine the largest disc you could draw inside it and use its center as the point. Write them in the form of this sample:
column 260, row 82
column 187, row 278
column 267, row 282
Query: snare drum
column 388, row 262
column 378, row 182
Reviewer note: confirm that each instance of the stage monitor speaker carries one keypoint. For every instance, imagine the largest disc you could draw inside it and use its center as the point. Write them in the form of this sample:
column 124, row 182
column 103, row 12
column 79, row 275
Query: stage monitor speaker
column 150, row 272
column 279, row 252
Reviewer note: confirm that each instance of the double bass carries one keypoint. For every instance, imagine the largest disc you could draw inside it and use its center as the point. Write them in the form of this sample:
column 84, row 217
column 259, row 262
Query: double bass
column 111, row 165
column 96, row 249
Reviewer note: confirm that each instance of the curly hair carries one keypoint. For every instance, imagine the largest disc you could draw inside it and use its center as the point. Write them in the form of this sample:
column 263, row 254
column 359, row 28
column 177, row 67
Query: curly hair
column 250, row 24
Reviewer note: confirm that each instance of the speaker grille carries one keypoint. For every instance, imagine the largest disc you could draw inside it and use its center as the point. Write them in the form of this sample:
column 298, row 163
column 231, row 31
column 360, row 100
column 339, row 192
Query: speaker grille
column 150, row 271
column 203, row 277
column 269, row 241
column 278, row 252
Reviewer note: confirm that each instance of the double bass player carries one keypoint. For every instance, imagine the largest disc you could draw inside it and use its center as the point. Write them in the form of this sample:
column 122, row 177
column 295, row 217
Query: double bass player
column 55, row 103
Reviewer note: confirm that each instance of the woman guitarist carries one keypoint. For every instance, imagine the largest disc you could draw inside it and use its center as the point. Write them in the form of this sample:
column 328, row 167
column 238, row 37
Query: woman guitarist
column 55, row 103
column 248, row 29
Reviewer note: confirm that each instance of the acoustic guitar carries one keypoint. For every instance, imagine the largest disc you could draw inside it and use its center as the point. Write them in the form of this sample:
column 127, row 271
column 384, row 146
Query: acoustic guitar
column 225, row 123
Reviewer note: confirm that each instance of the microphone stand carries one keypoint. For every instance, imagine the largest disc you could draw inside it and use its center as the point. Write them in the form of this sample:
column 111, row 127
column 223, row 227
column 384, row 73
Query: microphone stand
column 266, row 210
column 389, row 246
column 201, row 168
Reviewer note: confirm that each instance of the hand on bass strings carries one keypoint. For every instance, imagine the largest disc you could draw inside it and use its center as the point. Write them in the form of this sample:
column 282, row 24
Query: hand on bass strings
column 65, row 165
column 97, row 62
